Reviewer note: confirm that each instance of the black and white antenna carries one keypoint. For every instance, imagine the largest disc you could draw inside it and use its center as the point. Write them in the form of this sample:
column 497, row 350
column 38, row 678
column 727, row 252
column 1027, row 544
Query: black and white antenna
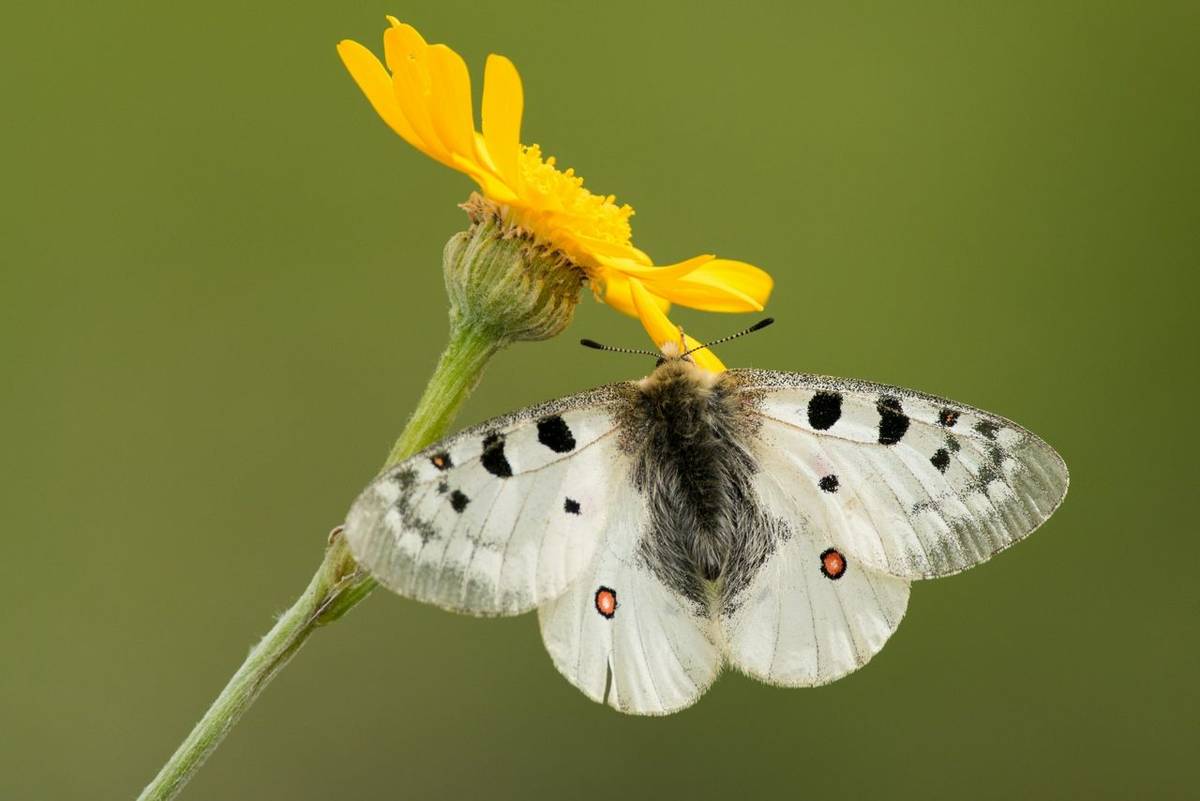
column 760, row 325
column 591, row 343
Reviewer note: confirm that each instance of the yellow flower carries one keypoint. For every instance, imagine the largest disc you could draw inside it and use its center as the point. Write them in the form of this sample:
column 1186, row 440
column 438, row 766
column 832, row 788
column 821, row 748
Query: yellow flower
column 424, row 95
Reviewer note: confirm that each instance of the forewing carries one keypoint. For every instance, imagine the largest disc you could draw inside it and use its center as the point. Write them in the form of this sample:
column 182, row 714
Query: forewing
column 909, row 484
column 621, row 636
column 499, row 518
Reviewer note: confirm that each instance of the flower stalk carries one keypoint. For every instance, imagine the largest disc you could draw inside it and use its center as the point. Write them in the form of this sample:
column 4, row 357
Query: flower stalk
column 335, row 576
column 458, row 372
column 501, row 290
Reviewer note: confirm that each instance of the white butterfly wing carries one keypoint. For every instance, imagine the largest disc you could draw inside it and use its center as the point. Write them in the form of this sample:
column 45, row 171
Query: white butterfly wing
column 905, row 483
column 499, row 518
column 865, row 487
column 621, row 636
column 810, row 615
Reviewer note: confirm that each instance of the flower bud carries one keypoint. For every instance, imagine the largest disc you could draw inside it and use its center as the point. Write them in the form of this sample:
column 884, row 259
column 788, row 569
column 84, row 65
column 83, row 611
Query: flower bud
column 503, row 281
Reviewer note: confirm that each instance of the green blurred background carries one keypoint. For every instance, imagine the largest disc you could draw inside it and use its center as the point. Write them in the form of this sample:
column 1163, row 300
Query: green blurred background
column 221, row 296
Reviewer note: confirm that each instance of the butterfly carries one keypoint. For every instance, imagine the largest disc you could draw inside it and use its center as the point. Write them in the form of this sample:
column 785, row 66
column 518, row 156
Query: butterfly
column 664, row 528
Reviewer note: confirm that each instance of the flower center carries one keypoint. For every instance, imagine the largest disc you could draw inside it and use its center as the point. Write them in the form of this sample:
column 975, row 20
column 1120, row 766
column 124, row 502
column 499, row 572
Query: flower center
column 588, row 215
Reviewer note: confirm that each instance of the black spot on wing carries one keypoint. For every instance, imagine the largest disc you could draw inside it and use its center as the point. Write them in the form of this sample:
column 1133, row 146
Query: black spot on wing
column 893, row 422
column 829, row 483
column 406, row 478
column 459, row 501
column 443, row 488
column 947, row 418
column 986, row 475
column 555, row 434
column 493, row 458
column 824, row 409
column 940, row 459
column 987, row 428
column 409, row 519
column 571, row 506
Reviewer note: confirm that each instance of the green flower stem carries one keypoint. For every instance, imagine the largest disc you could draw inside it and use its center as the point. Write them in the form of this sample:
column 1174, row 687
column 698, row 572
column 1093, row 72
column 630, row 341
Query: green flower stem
column 470, row 348
column 338, row 584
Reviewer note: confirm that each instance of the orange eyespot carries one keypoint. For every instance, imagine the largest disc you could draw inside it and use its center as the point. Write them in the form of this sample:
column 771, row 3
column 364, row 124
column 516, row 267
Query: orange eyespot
column 833, row 564
column 606, row 602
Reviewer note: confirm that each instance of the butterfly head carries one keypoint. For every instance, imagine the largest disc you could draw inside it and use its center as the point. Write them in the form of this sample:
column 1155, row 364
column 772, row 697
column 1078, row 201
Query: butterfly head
column 674, row 352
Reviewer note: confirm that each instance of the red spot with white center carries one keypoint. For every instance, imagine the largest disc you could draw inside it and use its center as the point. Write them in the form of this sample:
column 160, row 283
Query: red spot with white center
column 833, row 564
column 606, row 602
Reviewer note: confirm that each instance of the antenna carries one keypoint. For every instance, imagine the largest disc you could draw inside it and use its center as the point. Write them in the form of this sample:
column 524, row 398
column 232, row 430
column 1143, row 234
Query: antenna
column 760, row 325
column 593, row 344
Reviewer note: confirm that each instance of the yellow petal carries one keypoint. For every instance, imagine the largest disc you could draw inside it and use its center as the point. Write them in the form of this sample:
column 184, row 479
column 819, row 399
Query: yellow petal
column 661, row 330
column 403, row 43
column 604, row 250
column 720, row 285
column 488, row 177
column 376, row 84
column 485, row 158
column 503, row 105
column 704, row 357
column 406, row 54
column 660, row 275
column 753, row 281
column 617, row 294
column 705, row 296
column 450, row 101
